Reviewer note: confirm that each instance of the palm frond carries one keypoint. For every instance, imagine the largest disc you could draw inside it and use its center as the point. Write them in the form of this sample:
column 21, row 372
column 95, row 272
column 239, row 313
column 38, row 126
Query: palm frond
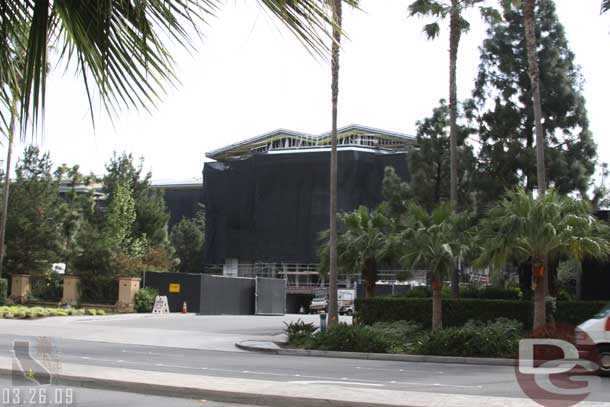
column 122, row 48
column 605, row 6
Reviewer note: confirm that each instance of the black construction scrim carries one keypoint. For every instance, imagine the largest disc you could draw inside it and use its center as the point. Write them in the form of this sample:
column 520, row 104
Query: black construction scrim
column 182, row 203
column 272, row 207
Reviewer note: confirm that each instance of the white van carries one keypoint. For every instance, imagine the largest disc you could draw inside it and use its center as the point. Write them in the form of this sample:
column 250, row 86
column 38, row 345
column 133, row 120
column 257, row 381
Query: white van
column 598, row 330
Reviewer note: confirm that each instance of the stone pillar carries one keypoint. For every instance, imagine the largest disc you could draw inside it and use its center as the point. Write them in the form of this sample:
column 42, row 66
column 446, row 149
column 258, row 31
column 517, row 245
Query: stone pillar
column 128, row 286
column 20, row 288
column 71, row 294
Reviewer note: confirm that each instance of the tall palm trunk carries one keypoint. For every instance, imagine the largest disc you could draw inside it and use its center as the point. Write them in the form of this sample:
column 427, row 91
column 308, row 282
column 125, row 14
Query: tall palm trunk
column 529, row 22
column 7, row 182
column 370, row 280
column 454, row 42
column 437, row 306
column 538, row 273
column 332, row 295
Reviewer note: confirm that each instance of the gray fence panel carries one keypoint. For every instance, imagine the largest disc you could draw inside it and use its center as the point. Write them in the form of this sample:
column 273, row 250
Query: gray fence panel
column 270, row 296
column 227, row 295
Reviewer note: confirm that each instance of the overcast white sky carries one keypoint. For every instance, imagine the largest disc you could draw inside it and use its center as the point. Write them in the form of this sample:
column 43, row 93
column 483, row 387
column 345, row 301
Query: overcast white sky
column 250, row 76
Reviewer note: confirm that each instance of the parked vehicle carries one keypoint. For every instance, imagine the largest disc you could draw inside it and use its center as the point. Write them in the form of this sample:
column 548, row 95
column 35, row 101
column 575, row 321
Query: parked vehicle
column 597, row 329
column 345, row 300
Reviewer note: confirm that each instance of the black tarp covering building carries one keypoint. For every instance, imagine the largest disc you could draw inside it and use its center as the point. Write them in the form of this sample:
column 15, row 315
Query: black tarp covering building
column 182, row 200
column 272, row 207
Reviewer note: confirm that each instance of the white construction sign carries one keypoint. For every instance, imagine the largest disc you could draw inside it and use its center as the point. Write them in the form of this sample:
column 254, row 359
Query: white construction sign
column 161, row 306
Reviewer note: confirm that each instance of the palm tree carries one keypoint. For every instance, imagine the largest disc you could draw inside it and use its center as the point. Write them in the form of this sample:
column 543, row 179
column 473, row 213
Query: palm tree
column 523, row 228
column 437, row 241
column 529, row 22
column 337, row 14
column 360, row 245
column 121, row 49
column 457, row 25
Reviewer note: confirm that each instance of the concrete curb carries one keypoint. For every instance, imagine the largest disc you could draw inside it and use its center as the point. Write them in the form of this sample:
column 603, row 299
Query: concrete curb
column 380, row 356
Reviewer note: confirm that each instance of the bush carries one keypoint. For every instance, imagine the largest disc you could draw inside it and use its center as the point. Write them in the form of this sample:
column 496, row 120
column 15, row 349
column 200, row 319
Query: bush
column 426, row 292
column 3, row 290
column 91, row 311
column 299, row 332
column 47, row 286
column 499, row 338
column 101, row 312
column 458, row 312
column 145, row 299
column 400, row 333
column 350, row 338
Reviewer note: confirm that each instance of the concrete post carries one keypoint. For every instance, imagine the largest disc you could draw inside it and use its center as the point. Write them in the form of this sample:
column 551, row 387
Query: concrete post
column 20, row 288
column 71, row 294
column 128, row 286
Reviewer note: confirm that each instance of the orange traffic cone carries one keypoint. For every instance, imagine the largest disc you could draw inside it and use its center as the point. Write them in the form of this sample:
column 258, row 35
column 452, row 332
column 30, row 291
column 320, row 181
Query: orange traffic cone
column 184, row 310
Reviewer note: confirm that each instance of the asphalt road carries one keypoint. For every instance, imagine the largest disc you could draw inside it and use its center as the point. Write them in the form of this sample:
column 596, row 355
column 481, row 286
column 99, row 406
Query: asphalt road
column 425, row 377
column 55, row 396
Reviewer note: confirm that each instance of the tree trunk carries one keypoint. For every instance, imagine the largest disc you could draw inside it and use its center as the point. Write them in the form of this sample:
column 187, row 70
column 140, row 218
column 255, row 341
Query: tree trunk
column 370, row 278
column 437, row 306
column 7, row 183
column 332, row 294
column 454, row 42
column 529, row 21
column 538, row 286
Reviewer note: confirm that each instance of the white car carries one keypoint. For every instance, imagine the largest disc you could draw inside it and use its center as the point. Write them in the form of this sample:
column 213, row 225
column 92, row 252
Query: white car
column 598, row 331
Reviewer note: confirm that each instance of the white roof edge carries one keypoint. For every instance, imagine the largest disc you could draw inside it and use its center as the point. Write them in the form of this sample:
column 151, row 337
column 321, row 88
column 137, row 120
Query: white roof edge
column 263, row 136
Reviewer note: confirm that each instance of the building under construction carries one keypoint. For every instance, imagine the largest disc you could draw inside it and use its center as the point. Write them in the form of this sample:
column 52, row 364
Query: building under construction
column 267, row 198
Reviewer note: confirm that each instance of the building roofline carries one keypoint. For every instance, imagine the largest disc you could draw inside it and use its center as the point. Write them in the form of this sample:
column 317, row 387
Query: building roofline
column 311, row 137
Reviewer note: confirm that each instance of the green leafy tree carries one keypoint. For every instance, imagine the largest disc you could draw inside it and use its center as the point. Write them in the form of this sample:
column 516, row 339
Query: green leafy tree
column 396, row 194
column 523, row 228
column 502, row 108
column 151, row 211
column 436, row 241
column 187, row 238
column 360, row 245
column 429, row 162
column 34, row 223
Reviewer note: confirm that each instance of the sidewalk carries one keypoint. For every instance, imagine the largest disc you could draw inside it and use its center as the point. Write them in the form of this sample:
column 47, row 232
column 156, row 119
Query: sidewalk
column 234, row 390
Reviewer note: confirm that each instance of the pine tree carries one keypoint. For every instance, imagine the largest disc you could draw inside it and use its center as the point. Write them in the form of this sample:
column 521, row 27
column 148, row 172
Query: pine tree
column 34, row 230
column 429, row 163
column 502, row 109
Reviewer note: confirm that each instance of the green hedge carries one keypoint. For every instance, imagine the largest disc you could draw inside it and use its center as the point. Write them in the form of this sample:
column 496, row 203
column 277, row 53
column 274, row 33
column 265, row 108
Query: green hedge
column 458, row 312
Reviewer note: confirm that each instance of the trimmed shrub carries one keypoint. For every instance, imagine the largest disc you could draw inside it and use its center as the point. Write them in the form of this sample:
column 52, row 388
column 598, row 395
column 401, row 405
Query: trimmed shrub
column 458, row 312
column 499, row 338
column 400, row 333
column 350, row 338
column 145, row 299
column 492, row 293
column 101, row 312
column 91, row 311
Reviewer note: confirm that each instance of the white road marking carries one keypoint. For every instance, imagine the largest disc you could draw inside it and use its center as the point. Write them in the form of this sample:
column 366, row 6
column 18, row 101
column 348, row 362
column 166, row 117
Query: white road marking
column 395, row 370
column 153, row 353
column 336, row 382
column 317, row 379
